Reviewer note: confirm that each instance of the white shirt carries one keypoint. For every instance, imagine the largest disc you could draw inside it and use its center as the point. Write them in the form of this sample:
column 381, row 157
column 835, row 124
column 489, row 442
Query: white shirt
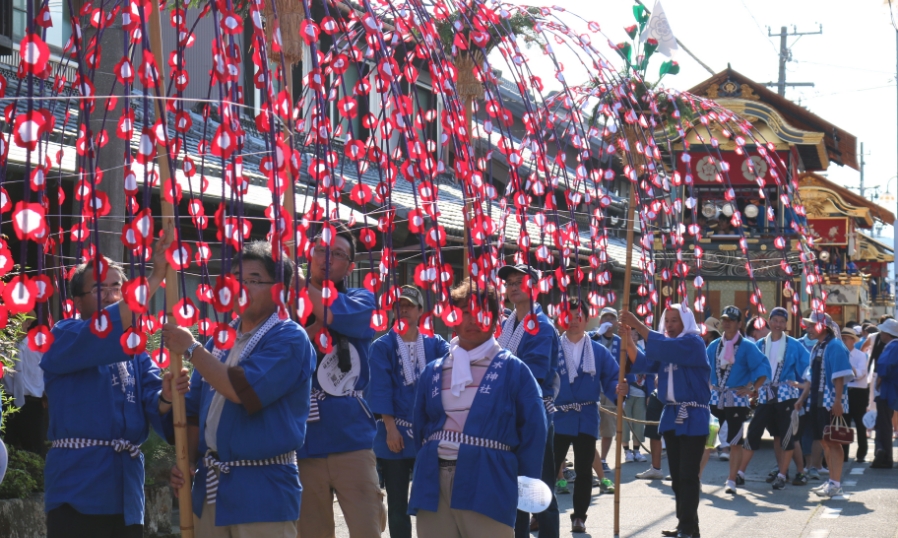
column 773, row 353
column 578, row 350
column 858, row 360
column 218, row 401
column 27, row 379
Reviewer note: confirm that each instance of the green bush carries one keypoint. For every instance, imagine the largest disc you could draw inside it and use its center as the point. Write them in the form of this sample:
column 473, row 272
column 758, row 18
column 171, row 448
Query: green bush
column 24, row 476
column 159, row 459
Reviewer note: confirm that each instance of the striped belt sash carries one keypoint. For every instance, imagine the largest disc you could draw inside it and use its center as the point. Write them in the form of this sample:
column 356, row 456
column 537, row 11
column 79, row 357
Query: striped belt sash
column 549, row 402
column 119, row 445
column 314, row 415
column 683, row 410
column 460, row 438
column 212, row 464
column 399, row 422
column 576, row 406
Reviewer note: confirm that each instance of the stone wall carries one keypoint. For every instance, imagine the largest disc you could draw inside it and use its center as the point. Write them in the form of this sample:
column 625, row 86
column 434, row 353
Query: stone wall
column 26, row 519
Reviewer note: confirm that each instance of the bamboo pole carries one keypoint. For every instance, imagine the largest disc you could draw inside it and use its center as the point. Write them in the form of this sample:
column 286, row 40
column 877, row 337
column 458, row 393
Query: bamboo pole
column 625, row 304
column 179, row 411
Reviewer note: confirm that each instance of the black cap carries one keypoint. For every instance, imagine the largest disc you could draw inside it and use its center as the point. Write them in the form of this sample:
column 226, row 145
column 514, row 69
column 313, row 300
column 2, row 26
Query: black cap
column 521, row 268
column 732, row 313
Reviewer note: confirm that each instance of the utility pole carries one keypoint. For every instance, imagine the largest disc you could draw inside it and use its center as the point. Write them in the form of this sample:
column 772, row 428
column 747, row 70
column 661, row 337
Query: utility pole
column 862, row 169
column 786, row 55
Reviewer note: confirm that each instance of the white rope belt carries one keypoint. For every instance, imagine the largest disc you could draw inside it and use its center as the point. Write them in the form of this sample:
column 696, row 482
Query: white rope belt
column 683, row 410
column 314, row 415
column 119, row 445
column 576, row 406
column 549, row 402
column 212, row 464
column 463, row 439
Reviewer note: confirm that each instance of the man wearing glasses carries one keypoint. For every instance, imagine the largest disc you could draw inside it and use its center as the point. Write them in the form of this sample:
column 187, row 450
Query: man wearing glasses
column 101, row 404
column 247, row 410
column 338, row 456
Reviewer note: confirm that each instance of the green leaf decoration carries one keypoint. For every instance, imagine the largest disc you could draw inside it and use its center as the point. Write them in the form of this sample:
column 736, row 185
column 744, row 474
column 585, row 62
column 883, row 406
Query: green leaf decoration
column 625, row 50
column 639, row 14
column 665, row 68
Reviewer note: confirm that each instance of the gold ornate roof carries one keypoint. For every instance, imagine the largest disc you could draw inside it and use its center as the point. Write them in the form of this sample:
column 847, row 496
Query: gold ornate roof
column 871, row 250
column 823, row 198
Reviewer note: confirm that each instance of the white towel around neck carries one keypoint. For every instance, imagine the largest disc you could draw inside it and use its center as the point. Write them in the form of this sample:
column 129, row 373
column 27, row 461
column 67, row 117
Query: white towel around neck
column 461, row 363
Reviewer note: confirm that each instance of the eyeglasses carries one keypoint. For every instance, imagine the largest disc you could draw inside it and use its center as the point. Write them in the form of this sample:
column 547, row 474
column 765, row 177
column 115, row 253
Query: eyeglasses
column 254, row 282
column 513, row 283
column 105, row 291
column 320, row 251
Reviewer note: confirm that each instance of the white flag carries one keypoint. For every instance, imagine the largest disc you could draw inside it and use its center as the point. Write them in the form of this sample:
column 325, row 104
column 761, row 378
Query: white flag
column 658, row 28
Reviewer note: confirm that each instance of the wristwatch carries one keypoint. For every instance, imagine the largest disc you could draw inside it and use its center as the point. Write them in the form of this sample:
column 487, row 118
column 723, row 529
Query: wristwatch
column 189, row 353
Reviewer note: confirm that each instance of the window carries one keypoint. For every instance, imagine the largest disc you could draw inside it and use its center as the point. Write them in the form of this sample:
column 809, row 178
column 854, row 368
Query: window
column 19, row 19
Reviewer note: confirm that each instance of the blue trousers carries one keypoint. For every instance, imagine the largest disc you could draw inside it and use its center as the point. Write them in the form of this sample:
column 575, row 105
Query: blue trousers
column 548, row 519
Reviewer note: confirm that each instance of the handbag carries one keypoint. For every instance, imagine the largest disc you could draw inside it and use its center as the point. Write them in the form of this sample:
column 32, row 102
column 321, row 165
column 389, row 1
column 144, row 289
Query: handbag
column 838, row 432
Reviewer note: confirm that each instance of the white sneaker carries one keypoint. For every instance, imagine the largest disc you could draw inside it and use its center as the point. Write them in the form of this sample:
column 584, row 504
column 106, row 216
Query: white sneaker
column 639, row 456
column 628, row 458
column 650, row 474
column 823, row 470
column 730, row 487
column 829, row 491
column 724, row 456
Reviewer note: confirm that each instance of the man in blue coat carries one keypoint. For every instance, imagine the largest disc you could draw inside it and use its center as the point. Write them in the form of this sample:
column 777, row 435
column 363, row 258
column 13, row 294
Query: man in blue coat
column 607, row 337
column 337, row 457
column 247, row 410
column 887, row 372
column 738, row 370
column 778, row 398
column 888, row 332
column 397, row 361
column 678, row 357
column 102, row 402
column 586, row 371
column 829, row 371
column 479, row 425
column 537, row 351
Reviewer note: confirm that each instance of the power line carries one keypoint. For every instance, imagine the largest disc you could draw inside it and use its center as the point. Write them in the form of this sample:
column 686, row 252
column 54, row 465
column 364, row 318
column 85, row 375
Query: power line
column 752, row 15
column 844, row 67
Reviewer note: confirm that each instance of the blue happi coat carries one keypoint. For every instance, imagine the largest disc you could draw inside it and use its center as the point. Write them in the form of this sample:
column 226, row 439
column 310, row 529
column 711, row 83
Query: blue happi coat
column 795, row 363
column 587, row 388
column 84, row 385
column 346, row 423
column 537, row 351
column 887, row 373
column 508, row 408
column 269, row 421
column 389, row 395
column 836, row 364
column 683, row 358
column 648, row 385
column 749, row 365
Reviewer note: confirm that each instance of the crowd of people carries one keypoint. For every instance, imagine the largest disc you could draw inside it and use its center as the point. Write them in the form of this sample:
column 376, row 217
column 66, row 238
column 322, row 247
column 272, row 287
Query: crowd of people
column 277, row 428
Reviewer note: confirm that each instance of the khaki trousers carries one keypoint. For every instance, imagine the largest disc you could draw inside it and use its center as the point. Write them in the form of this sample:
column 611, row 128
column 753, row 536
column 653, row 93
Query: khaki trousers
column 205, row 527
column 353, row 477
column 448, row 522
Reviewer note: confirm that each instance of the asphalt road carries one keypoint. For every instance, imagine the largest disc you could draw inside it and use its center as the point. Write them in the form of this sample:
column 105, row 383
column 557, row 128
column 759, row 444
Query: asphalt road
column 869, row 509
